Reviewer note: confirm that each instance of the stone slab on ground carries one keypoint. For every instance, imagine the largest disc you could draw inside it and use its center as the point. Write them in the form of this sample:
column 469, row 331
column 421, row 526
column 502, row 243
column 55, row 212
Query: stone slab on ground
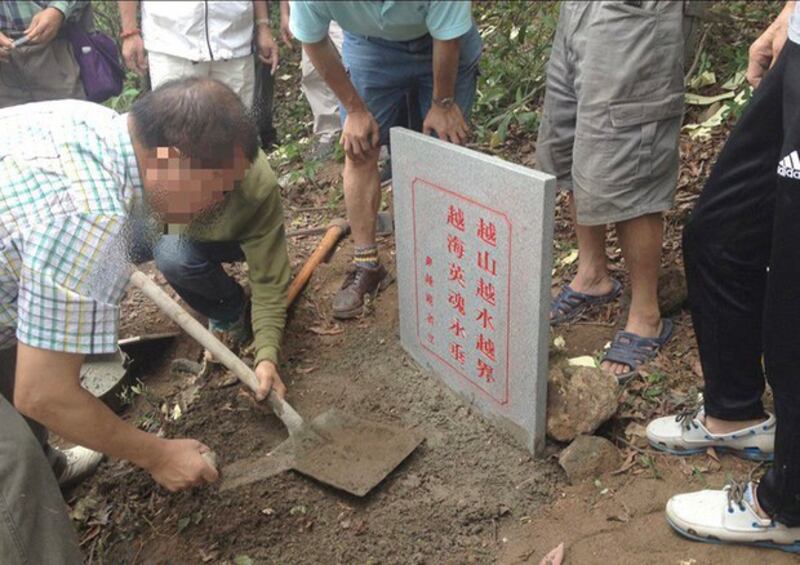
column 474, row 259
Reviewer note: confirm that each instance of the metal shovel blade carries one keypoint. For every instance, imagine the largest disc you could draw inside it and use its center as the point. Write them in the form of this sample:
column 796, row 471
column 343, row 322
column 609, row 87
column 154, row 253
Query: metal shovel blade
column 337, row 449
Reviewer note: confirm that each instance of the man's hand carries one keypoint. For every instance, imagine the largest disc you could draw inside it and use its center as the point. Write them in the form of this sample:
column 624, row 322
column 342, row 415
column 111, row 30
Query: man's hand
column 6, row 45
column 269, row 379
column 448, row 123
column 267, row 48
column 180, row 464
column 134, row 54
column 765, row 50
column 44, row 26
column 361, row 135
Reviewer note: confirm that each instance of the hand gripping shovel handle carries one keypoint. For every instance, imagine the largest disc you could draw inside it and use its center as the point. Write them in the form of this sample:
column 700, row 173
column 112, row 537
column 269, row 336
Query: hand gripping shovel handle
column 282, row 409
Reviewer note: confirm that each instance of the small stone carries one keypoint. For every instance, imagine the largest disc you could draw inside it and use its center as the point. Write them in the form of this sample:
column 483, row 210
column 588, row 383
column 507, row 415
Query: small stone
column 587, row 457
column 345, row 524
column 579, row 400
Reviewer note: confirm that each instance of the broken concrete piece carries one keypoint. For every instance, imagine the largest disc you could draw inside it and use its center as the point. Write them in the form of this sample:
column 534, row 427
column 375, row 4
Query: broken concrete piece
column 579, row 400
column 587, row 457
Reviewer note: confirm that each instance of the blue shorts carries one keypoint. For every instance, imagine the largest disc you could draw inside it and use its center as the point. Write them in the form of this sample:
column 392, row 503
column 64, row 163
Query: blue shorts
column 388, row 73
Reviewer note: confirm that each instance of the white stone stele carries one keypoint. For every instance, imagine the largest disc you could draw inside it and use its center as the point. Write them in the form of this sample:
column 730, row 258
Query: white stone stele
column 474, row 241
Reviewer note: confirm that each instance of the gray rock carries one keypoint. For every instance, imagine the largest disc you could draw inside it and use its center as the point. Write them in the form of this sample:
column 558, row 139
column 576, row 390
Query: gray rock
column 579, row 400
column 588, row 457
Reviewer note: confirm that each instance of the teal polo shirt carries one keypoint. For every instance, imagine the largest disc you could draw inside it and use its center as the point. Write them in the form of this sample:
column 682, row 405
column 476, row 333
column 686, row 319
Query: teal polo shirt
column 393, row 20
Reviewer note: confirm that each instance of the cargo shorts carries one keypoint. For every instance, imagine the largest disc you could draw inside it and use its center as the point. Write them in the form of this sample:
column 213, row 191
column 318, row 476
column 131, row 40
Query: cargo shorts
column 613, row 107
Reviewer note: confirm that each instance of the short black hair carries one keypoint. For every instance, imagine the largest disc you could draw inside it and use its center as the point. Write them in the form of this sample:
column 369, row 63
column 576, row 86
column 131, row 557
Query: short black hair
column 201, row 117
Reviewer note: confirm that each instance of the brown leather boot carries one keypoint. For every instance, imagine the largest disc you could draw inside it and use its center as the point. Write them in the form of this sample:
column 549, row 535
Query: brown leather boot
column 349, row 301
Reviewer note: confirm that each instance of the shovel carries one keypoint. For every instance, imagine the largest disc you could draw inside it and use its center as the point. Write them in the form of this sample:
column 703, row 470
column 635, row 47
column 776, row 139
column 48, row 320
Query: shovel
column 335, row 448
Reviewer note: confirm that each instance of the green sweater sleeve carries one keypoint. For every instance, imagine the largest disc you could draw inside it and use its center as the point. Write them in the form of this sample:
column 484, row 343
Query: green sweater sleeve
column 253, row 216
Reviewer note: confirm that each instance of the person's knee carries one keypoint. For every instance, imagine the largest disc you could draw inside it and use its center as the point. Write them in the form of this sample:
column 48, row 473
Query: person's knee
column 173, row 259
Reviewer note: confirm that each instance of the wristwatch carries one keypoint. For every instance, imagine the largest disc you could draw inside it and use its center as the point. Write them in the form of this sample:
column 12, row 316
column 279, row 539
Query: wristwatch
column 445, row 102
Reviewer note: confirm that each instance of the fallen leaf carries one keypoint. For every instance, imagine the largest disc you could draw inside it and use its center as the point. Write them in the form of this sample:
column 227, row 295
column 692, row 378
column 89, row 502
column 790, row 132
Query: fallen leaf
column 700, row 100
column 569, row 258
column 711, row 452
column 242, row 560
column 335, row 330
column 555, row 557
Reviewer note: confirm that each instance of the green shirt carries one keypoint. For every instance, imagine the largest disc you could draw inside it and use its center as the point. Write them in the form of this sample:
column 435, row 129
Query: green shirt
column 394, row 20
column 253, row 216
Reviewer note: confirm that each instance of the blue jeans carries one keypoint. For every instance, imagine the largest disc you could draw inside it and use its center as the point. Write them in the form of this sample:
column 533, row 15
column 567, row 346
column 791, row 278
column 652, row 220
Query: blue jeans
column 194, row 270
column 386, row 72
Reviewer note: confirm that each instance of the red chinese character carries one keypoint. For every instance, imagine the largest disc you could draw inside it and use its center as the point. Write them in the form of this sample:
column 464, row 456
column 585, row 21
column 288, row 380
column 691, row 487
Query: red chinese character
column 457, row 274
column 457, row 302
column 487, row 232
column 431, row 339
column 457, row 352
column 457, row 329
column 429, row 299
column 428, row 261
column 455, row 217
column 429, row 280
column 487, row 292
column 487, row 263
column 486, row 319
column 486, row 346
column 485, row 371
column 455, row 246
column 430, row 319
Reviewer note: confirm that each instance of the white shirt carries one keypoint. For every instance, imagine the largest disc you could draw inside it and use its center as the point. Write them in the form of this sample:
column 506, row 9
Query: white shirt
column 198, row 31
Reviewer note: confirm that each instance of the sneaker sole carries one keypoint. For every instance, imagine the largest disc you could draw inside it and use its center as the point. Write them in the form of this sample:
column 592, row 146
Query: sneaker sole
column 750, row 453
column 692, row 535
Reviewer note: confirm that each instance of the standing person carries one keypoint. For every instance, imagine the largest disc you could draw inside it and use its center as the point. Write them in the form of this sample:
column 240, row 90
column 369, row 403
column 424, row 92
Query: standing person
column 390, row 49
column 44, row 68
column 77, row 179
column 610, row 127
column 212, row 39
column 323, row 102
column 742, row 266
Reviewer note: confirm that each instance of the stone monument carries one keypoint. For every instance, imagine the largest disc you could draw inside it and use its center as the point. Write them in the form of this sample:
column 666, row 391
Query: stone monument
column 474, row 240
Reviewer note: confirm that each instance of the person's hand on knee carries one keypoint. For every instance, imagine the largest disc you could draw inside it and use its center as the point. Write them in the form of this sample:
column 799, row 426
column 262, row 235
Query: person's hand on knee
column 360, row 135
column 447, row 122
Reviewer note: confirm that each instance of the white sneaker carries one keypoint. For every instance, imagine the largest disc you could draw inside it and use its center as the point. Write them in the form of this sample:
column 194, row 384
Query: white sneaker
column 81, row 462
column 685, row 434
column 728, row 516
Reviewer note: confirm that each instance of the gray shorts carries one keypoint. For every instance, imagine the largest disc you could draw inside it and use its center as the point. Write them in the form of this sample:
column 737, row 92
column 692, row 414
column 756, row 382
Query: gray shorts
column 613, row 107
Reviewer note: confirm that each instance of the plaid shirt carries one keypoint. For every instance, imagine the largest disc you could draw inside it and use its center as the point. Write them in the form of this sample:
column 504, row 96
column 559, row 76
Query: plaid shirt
column 69, row 196
column 16, row 15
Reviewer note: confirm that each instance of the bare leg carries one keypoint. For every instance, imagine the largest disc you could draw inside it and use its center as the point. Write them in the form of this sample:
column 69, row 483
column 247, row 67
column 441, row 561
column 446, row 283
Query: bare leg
column 362, row 196
column 592, row 276
column 640, row 239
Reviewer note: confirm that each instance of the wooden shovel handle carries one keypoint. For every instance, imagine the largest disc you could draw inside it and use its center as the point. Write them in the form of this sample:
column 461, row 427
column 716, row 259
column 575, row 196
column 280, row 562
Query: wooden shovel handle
column 282, row 409
column 336, row 230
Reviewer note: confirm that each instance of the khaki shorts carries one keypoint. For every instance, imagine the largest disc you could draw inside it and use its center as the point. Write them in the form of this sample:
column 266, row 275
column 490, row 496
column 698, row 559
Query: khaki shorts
column 613, row 107
column 40, row 72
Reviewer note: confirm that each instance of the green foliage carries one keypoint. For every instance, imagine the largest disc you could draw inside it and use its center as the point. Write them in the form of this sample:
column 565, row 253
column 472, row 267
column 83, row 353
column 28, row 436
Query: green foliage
column 517, row 37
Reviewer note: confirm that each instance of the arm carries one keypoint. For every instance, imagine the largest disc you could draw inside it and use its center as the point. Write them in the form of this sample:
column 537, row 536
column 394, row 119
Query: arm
column 267, row 48
column 286, row 32
column 132, row 44
column 47, row 389
column 445, row 117
column 269, row 272
column 360, row 133
column 765, row 50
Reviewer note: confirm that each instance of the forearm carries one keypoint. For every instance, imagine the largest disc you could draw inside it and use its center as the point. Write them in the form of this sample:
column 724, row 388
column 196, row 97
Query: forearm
column 261, row 10
column 445, row 67
column 48, row 390
column 285, row 9
column 128, row 14
column 325, row 58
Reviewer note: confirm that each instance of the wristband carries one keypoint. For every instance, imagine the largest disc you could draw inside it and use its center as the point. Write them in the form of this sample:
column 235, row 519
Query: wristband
column 131, row 33
column 262, row 22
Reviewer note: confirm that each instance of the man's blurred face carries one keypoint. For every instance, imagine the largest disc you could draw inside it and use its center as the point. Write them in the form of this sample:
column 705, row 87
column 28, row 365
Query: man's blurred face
column 182, row 190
